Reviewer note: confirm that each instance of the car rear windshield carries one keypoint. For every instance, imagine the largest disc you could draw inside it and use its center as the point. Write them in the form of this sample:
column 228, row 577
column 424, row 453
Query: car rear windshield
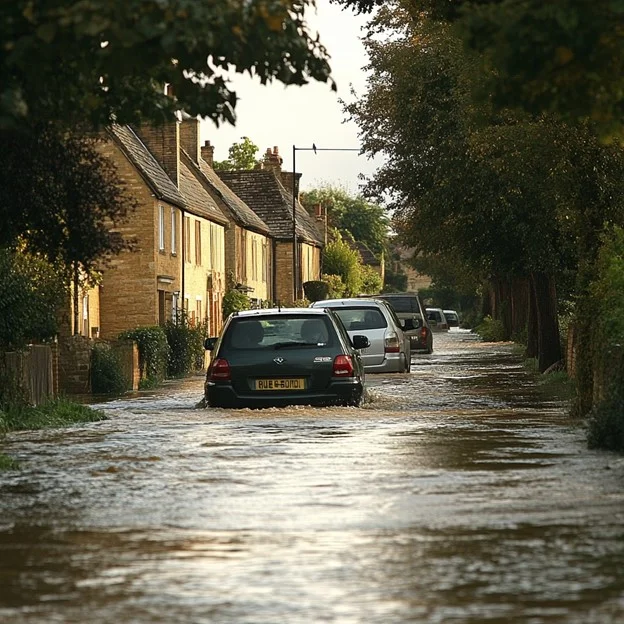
column 361, row 318
column 280, row 332
column 403, row 304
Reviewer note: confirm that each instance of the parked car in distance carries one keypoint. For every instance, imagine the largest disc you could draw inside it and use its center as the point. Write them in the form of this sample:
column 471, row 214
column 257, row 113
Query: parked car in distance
column 411, row 312
column 452, row 318
column 389, row 350
column 284, row 356
column 436, row 319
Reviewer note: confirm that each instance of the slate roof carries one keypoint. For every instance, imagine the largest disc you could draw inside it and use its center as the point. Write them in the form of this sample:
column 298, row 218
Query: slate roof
column 229, row 203
column 153, row 174
column 266, row 196
column 198, row 200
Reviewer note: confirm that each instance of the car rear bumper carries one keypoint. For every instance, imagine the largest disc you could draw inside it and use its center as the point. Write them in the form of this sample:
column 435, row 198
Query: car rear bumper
column 392, row 363
column 343, row 392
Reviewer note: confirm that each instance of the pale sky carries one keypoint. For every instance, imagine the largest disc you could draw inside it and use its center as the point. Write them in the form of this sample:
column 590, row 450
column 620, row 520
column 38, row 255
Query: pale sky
column 275, row 115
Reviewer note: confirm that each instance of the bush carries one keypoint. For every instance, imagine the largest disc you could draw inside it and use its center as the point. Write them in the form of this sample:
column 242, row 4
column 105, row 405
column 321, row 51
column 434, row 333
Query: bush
column 491, row 330
column 371, row 281
column 316, row 290
column 606, row 426
column 186, row 347
column 106, row 371
column 153, row 353
column 340, row 259
column 234, row 301
column 335, row 286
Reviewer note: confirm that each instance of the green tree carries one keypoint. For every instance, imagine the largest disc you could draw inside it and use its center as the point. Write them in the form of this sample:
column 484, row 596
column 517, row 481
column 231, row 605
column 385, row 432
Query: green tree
column 60, row 197
column 31, row 292
column 340, row 259
column 242, row 155
column 108, row 60
column 564, row 58
column 365, row 221
column 501, row 192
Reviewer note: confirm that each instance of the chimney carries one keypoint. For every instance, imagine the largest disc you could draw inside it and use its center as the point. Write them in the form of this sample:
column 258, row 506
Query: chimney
column 321, row 218
column 207, row 153
column 286, row 177
column 164, row 144
column 163, row 141
column 273, row 161
column 189, row 137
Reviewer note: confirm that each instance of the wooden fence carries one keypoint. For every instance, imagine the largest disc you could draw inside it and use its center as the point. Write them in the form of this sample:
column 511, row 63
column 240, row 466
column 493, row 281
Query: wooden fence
column 36, row 369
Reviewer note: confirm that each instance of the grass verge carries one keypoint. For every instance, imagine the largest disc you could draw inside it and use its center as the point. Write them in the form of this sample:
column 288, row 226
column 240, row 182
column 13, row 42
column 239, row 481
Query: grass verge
column 57, row 413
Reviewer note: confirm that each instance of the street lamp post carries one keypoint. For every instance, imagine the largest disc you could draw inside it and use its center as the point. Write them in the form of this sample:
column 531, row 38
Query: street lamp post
column 296, row 149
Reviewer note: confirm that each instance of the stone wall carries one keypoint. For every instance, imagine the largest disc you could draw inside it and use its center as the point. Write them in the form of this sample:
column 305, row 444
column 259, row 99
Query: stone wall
column 75, row 364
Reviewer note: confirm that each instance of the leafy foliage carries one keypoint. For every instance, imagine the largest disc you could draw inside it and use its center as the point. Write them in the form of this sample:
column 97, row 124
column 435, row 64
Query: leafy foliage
column 340, row 259
column 186, row 346
column 240, row 156
column 108, row 60
column 60, row 197
column 371, row 282
column 153, row 353
column 335, row 286
column 365, row 221
column 490, row 330
column 563, row 58
column 31, row 292
column 234, row 301
column 106, row 371
column 316, row 290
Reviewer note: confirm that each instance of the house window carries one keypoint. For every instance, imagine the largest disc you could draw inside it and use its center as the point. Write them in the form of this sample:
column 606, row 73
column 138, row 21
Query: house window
column 254, row 259
column 174, row 231
column 198, row 309
column 161, row 228
column 198, row 259
column 264, row 262
column 187, row 239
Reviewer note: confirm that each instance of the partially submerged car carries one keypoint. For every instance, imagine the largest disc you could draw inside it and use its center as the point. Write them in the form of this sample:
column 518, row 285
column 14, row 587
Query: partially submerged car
column 284, row 356
column 389, row 350
column 437, row 320
column 452, row 318
column 411, row 312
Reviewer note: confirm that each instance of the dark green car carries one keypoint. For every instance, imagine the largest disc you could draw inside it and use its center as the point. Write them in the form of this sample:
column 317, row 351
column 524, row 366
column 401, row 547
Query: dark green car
column 287, row 356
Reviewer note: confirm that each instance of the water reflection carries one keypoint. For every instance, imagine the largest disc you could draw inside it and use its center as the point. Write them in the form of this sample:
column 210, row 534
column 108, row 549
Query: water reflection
column 460, row 493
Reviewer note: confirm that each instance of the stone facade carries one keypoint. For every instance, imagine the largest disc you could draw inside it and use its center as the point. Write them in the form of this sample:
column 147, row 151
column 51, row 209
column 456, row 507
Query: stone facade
column 138, row 281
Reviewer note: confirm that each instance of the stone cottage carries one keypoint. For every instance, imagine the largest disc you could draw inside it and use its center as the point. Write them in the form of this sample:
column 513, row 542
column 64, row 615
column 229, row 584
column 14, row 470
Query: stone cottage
column 268, row 192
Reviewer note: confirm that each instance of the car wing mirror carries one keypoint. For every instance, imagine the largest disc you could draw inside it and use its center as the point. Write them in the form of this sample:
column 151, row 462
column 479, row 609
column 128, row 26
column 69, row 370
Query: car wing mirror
column 209, row 344
column 360, row 342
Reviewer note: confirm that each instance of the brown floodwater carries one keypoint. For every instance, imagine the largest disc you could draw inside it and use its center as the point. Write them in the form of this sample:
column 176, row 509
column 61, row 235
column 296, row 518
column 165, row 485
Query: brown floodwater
column 461, row 493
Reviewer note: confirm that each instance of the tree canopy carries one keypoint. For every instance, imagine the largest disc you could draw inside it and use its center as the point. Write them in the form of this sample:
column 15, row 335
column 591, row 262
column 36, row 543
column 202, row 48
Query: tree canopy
column 364, row 221
column 241, row 155
column 108, row 60
column 565, row 58
column 60, row 197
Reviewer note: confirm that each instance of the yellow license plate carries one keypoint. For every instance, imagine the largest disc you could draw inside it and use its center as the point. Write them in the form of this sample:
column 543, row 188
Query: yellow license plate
column 280, row 384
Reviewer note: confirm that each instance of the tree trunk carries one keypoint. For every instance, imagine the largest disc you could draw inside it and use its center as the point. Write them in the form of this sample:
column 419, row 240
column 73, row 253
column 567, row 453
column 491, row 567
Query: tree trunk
column 519, row 306
column 549, row 344
column 76, row 307
column 532, row 349
column 504, row 306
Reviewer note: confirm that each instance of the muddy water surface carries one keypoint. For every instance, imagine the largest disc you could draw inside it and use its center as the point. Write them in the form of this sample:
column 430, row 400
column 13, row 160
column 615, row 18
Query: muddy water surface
column 460, row 493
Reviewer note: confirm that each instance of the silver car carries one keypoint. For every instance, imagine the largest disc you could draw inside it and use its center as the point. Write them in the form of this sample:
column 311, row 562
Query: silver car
column 389, row 350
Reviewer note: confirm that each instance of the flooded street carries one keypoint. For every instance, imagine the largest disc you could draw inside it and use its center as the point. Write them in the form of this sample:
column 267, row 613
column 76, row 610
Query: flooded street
column 461, row 493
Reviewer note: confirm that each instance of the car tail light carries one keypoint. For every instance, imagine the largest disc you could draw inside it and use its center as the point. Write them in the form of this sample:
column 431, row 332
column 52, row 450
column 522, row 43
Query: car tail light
column 219, row 370
column 423, row 333
column 343, row 366
column 391, row 343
